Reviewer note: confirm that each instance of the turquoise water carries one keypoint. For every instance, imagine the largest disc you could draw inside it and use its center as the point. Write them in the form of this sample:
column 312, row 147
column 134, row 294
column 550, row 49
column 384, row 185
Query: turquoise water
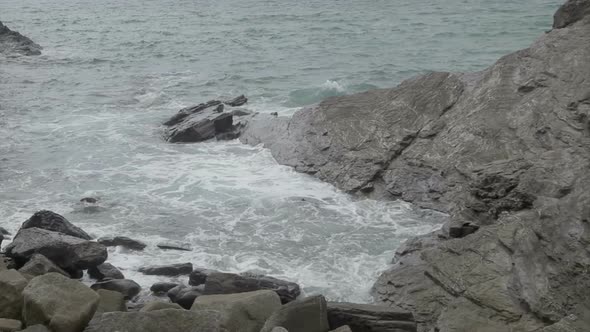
column 83, row 120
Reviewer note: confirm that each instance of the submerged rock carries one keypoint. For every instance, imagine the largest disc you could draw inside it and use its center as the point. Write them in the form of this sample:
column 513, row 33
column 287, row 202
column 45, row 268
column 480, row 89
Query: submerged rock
column 12, row 42
column 173, row 245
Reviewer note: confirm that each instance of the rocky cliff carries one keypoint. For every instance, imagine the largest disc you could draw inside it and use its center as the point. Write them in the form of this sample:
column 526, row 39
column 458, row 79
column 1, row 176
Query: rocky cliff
column 505, row 152
column 12, row 42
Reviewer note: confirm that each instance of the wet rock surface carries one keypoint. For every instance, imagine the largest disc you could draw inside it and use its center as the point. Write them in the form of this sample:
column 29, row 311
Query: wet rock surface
column 12, row 42
column 122, row 241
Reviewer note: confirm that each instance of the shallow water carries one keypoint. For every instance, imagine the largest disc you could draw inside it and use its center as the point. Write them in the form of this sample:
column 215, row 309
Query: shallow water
column 83, row 120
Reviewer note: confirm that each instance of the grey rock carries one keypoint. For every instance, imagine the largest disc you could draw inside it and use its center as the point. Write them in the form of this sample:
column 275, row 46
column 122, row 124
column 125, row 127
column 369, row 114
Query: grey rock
column 1, row 238
column 110, row 301
column 159, row 305
column 36, row 328
column 4, row 231
column 167, row 320
column 10, row 325
column 279, row 329
column 52, row 221
column 162, row 287
column 122, row 241
column 168, row 270
column 61, row 303
column 366, row 317
column 184, row 296
column 128, row 288
column 67, row 252
column 12, row 284
column 238, row 101
column 185, row 112
column 303, row 315
column 105, row 270
column 228, row 283
column 571, row 12
column 201, row 126
column 173, row 245
column 344, row 328
column 245, row 312
column 199, row 276
column 12, row 42
column 39, row 265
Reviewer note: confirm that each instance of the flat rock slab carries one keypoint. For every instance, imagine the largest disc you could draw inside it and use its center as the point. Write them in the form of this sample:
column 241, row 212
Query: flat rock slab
column 173, row 245
column 122, row 241
column 366, row 317
column 168, row 270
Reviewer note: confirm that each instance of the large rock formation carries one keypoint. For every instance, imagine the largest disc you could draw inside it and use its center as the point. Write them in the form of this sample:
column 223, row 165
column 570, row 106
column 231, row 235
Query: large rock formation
column 505, row 152
column 12, row 42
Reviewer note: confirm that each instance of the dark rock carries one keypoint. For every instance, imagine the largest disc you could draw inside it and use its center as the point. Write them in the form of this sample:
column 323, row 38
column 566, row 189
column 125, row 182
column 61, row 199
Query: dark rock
column 3, row 231
column 304, row 315
column 128, row 288
column 90, row 200
column 122, row 241
column 184, row 296
column 199, row 276
column 227, row 283
column 365, row 317
column 105, row 270
column 168, row 270
column 185, row 112
column 12, row 42
column 12, row 284
column 40, row 265
column 200, row 127
column 462, row 230
column 238, row 101
column 240, row 112
column 171, row 245
column 110, row 301
column 67, row 252
column 52, row 221
column 1, row 238
column 571, row 12
column 162, row 287
column 274, row 114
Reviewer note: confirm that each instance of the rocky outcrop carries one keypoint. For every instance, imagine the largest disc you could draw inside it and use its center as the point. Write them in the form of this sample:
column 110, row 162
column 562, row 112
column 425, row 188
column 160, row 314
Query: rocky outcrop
column 168, row 270
column 12, row 42
column 122, row 241
column 52, row 221
column 365, row 317
column 504, row 152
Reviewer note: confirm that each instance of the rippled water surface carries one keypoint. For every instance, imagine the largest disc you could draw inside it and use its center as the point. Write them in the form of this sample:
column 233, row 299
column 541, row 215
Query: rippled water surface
column 83, row 120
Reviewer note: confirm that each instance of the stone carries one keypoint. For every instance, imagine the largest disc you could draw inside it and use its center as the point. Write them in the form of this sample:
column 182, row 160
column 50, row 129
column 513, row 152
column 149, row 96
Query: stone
column 304, row 315
column 105, row 270
column 12, row 284
column 238, row 101
column 90, row 200
column 36, row 328
column 162, row 287
column 185, row 112
column 168, row 270
column 245, row 312
column 462, row 230
column 122, row 241
column 4, row 231
column 366, row 317
column 571, row 12
column 199, row 276
column 39, row 265
column 166, row 320
column 279, row 329
column 52, row 221
column 10, row 325
column 227, row 283
column 67, row 252
column 110, row 301
column 186, row 296
column 344, row 328
column 173, row 245
column 12, row 42
column 61, row 303
column 128, row 288
column 201, row 126
column 159, row 305
column 1, row 238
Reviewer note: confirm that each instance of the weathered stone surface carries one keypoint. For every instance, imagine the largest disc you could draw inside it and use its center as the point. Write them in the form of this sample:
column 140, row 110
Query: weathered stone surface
column 184, row 296
column 105, row 270
column 173, row 245
column 571, row 12
column 168, row 270
column 39, row 265
column 344, row 328
column 167, row 320
column 122, row 241
column 12, row 284
column 52, row 221
column 128, row 288
column 67, row 252
column 238, row 101
column 246, row 312
column 12, row 42
column 159, row 305
column 4, row 231
column 36, row 328
column 303, row 315
column 10, row 325
column 199, row 276
column 110, row 301
column 162, row 287
column 365, row 317
column 228, row 283
column 61, row 303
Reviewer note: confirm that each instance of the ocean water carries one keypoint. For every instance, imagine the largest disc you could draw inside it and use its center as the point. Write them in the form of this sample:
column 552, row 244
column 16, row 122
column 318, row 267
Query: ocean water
column 84, row 119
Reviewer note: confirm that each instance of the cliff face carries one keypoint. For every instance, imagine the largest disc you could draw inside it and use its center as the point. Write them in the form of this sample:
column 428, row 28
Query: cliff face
column 12, row 42
column 506, row 152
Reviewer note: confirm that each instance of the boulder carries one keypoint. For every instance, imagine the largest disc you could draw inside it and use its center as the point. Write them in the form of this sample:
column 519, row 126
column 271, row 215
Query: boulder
column 303, row 315
column 279, row 329
column 168, row 270
column 4, row 231
column 344, row 328
column 122, row 241
column 12, row 42
column 159, row 305
column 366, row 317
column 128, row 288
column 227, row 283
column 238, row 101
column 167, row 320
column 52, row 221
column 184, row 296
column 67, row 252
column 12, row 284
column 105, row 270
column 571, row 12
column 246, row 312
column 110, row 301
column 162, row 287
column 61, row 303
column 173, row 245
column 199, row 276
column 36, row 328
column 10, row 325
column 39, row 265
column 201, row 126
